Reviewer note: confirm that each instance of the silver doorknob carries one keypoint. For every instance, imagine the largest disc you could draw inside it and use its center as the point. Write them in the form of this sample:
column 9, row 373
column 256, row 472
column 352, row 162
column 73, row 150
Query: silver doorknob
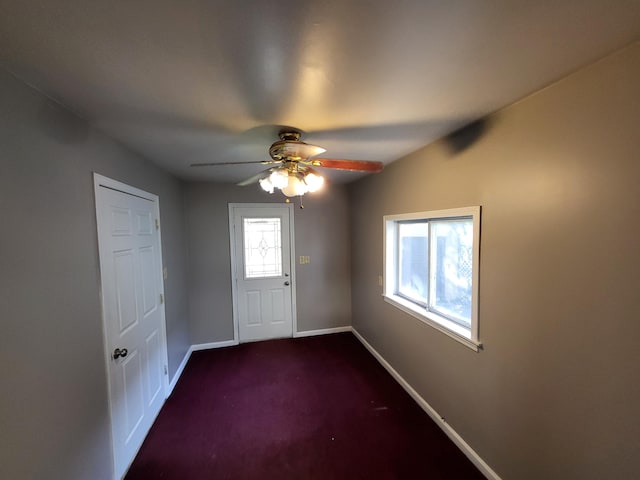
column 117, row 353
column 286, row 283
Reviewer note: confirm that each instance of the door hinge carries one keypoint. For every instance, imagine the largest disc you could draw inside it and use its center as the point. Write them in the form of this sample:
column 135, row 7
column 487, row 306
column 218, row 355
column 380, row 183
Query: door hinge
column 157, row 224
column 161, row 298
column 165, row 370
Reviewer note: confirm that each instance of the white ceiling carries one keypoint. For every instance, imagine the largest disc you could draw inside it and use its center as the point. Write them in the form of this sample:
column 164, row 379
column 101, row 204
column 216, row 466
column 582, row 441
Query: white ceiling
column 210, row 81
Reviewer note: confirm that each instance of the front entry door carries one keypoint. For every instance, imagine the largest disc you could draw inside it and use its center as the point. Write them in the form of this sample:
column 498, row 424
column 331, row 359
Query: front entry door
column 262, row 269
column 133, row 313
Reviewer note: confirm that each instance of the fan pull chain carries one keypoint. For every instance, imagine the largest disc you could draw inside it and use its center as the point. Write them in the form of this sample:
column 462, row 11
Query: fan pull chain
column 288, row 200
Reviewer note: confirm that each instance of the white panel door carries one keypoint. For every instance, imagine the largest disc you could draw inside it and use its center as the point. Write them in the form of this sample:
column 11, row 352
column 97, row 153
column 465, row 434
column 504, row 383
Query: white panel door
column 263, row 271
column 133, row 314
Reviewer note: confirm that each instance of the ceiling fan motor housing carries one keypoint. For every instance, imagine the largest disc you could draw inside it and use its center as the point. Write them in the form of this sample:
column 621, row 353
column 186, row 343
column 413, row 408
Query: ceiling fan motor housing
column 290, row 148
column 296, row 156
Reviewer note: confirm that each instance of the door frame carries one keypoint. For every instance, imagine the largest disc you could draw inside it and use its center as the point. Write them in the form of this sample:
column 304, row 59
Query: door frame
column 100, row 181
column 288, row 207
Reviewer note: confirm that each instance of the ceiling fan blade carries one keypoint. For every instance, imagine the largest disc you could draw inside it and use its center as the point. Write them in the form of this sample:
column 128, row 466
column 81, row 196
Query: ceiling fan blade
column 254, row 178
column 214, row 164
column 351, row 165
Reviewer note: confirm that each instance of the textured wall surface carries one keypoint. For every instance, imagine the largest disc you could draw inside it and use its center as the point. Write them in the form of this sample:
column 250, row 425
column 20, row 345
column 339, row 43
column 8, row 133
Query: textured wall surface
column 323, row 288
column 54, row 418
column 555, row 392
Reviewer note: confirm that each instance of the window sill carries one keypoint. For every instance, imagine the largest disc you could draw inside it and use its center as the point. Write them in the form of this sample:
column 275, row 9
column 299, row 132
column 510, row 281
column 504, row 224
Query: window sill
column 444, row 325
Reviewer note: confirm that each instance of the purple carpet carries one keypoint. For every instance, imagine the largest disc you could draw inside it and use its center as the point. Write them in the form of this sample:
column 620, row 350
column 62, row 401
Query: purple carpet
column 309, row 408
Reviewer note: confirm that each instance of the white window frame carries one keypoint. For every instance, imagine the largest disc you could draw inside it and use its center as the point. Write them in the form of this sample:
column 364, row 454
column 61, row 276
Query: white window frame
column 468, row 337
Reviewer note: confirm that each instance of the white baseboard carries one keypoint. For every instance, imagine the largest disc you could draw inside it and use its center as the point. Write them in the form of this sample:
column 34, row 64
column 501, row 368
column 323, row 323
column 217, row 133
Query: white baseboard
column 322, row 331
column 440, row 421
column 231, row 343
column 208, row 346
column 187, row 356
column 179, row 371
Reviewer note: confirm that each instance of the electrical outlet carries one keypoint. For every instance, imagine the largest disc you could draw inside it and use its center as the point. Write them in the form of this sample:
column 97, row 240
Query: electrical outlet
column 165, row 273
column 379, row 280
column 305, row 259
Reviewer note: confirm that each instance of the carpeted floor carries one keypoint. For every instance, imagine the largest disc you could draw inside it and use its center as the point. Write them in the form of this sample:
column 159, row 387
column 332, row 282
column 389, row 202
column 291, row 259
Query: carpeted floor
column 309, row 408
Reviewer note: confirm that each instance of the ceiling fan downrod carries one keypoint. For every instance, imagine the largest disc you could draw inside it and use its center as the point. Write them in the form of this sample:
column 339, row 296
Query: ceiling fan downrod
column 289, row 135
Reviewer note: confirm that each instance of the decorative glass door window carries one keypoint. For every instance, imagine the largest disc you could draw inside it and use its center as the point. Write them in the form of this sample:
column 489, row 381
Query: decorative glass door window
column 262, row 247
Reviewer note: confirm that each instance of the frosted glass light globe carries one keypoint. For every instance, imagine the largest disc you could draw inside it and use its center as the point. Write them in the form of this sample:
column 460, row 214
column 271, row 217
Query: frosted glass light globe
column 294, row 187
column 314, row 182
column 266, row 185
column 279, row 178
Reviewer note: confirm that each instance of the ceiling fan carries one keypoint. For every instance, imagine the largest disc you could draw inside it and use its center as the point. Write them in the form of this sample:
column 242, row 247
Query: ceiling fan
column 292, row 163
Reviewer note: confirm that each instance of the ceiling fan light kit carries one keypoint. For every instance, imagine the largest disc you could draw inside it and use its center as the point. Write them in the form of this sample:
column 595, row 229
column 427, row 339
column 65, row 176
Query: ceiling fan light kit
column 294, row 175
column 292, row 183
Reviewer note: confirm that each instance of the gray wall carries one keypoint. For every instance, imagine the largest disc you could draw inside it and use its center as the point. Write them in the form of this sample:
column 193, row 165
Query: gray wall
column 53, row 407
column 555, row 393
column 321, row 232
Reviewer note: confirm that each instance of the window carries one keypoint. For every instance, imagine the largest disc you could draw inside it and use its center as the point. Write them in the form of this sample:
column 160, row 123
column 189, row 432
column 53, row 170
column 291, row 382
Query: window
column 431, row 269
column 262, row 248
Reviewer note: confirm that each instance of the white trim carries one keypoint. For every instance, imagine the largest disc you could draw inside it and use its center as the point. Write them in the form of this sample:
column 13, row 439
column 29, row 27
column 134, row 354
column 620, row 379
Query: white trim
column 471, row 454
column 439, row 323
column 447, row 213
column 468, row 337
column 196, row 348
column 292, row 264
column 101, row 180
column 322, row 331
column 178, row 374
column 209, row 346
column 292, row 253
column 98, row 182
column 234, row 293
